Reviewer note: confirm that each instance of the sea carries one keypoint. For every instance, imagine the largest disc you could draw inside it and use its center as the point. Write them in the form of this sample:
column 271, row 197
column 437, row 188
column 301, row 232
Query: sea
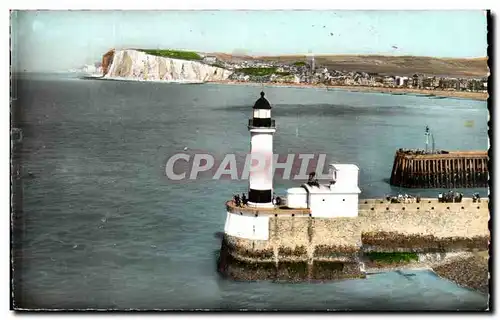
column 100, row 226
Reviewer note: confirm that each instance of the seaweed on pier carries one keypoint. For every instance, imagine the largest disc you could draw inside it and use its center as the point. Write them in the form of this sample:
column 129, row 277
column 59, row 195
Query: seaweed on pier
column 397, row 242
column 286, row 251
column 243, row 270
column 325, row 250
column 292, row 271
column 326, row 270
column 245, row 252
column 392, row 257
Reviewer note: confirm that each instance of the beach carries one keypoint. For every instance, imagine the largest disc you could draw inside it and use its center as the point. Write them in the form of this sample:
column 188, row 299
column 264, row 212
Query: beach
column 481, row 96
column 466, row 269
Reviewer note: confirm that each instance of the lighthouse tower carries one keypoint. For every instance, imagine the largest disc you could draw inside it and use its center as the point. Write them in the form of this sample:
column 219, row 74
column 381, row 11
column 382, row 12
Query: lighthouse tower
column 261, row 128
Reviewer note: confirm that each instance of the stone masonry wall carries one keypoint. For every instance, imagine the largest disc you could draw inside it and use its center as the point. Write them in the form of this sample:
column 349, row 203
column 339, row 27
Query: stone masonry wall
column 428, row 226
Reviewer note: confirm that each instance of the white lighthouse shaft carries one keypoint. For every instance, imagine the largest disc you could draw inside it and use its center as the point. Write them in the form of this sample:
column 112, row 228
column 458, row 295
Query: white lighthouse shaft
column 261, row 172
column 261, row 129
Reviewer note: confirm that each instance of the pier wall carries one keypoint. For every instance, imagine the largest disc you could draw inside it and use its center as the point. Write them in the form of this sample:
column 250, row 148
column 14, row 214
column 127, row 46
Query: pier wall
column 460, row 169
column 304, row 247
column 298, row 248
column 428, row 226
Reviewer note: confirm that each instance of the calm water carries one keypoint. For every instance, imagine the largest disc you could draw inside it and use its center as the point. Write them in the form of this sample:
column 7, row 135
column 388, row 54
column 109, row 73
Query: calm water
column 103, row 227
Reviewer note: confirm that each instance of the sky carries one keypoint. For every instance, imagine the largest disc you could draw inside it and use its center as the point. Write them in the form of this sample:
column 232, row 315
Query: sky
column 60, row 40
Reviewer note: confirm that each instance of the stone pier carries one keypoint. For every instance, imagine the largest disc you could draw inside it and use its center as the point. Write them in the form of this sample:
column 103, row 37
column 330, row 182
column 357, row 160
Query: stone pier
column 303, row 248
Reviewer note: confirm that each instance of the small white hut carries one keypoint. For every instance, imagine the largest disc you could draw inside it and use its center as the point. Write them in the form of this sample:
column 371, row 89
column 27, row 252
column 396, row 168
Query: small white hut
column 339, row 198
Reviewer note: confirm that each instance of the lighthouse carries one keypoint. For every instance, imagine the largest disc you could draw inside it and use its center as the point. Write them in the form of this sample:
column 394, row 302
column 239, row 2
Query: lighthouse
column 262, row 128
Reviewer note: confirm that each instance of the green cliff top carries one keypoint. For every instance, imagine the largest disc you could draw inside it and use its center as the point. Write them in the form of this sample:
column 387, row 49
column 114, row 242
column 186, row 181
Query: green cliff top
column 175, row 54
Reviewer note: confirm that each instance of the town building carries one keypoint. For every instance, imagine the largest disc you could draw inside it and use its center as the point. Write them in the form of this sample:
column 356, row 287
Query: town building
column 209, row 59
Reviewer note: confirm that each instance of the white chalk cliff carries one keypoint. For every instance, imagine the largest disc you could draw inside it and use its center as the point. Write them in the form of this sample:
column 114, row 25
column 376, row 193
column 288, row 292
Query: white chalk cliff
column 137, row 65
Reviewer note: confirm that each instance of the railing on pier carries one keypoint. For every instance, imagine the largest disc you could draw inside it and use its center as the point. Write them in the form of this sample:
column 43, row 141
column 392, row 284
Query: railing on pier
column 275, row 210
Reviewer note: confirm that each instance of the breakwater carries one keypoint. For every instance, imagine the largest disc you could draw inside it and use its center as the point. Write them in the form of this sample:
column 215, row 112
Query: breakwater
column 458, row 169
column 300, row 247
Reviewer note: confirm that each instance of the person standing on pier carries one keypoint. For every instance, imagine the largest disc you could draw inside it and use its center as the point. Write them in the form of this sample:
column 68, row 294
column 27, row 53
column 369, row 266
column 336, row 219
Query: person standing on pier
column 312, row 181
column 278, row 201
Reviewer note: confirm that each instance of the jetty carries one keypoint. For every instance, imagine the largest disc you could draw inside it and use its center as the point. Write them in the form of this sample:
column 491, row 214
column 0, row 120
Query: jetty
column 442, row 169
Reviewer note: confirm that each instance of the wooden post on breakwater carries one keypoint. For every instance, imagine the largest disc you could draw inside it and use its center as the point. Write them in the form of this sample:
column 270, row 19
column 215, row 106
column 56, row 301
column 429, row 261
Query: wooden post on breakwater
column 456, row 169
